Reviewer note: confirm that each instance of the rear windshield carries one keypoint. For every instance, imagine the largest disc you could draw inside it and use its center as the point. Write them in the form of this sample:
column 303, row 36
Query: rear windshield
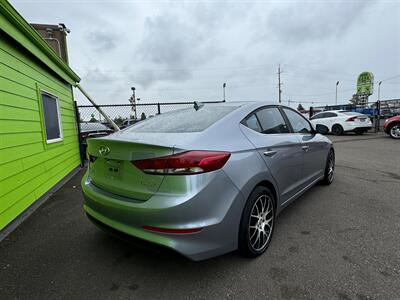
column 183, row 120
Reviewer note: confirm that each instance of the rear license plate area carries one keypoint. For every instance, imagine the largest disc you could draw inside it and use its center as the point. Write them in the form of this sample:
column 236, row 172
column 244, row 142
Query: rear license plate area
column 113, row 169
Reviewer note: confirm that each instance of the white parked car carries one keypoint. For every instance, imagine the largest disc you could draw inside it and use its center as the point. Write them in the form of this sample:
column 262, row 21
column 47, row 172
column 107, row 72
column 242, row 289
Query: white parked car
column 339, row 121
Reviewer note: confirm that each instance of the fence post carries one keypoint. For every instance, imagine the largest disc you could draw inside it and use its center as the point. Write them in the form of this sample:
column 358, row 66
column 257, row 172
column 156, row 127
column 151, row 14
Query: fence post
column 311, row 111
column 159, row 108
column 78, row 121
column 378, row 107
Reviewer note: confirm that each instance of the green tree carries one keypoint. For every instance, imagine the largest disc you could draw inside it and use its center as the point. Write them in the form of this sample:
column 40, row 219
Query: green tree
column 300, row 107
column 355, row 99
column 119, row 120
column 92, row 119
column 143, row 116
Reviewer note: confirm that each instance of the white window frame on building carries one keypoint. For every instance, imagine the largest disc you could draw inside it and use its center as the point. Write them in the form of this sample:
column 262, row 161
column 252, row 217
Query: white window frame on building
column 60, row 135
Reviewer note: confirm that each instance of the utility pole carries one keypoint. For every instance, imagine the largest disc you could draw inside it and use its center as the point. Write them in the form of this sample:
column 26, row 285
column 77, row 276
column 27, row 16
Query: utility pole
column 223, row 88
column 279, row 83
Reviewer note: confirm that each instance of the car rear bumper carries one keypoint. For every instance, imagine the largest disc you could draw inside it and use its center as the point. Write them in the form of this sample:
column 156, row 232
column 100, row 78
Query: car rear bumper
column 216, row 208
column 365, row 128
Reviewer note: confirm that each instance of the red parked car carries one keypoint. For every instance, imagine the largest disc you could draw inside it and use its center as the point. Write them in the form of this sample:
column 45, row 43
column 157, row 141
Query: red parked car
column 392, row 127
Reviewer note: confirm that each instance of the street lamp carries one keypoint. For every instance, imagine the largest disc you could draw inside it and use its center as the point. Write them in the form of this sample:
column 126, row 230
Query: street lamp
column 379, row 90
column 337, row 83
column 223, row 89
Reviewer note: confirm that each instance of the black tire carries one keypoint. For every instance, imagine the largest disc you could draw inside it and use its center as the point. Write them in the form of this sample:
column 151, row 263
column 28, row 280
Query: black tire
column 256, row 227
column 392, row 131
column 328, row 173
column 359, row 131
column 337, row 129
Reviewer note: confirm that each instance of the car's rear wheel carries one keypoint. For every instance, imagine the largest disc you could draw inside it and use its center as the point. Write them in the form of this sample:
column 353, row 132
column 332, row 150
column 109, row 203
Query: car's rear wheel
column 394, row 131
column 329, row 168
column 257, row 223
column 337, row 129
column 359, row 131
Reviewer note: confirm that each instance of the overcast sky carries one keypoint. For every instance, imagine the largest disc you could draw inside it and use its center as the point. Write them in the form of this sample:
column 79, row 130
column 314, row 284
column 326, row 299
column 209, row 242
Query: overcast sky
column 186, row 50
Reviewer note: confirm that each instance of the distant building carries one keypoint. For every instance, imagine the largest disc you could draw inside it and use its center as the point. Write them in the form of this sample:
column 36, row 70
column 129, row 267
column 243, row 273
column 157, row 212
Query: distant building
column 56, row 37
column 39, row 146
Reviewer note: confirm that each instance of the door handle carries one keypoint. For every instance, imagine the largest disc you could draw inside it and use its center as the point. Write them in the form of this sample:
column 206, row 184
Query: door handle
column 270, row 153
column 305, row 148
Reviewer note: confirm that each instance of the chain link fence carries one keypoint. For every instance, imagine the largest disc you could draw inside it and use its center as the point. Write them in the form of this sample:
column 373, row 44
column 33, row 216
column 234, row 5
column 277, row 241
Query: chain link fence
column 93, row 124
column 378, row 111
column 127, row 114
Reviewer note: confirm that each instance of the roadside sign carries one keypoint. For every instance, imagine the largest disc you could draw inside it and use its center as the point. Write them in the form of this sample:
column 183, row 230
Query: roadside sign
column 365, row 84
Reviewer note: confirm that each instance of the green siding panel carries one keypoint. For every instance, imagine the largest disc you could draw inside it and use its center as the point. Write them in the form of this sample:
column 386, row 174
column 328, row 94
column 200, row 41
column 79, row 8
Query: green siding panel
column 13, row 113
column 19, row 206
column 18, row 101
column 13, row 126
column 13, row 87
column 19, row 139
column 10, row 169
column 28, row 166
column 41, row 157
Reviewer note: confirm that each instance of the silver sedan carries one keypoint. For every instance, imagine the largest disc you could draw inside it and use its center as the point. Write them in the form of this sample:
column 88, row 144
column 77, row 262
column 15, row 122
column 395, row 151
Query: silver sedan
column 205, row 180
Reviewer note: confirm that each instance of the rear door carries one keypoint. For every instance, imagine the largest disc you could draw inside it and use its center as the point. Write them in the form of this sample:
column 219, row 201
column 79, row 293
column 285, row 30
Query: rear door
column 280, row 150
column 314, row 149
column 318, row 119
column 330, row 119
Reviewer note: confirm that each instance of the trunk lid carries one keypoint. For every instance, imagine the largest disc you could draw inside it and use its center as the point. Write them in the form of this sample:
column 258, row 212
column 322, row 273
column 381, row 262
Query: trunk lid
column 113, row 171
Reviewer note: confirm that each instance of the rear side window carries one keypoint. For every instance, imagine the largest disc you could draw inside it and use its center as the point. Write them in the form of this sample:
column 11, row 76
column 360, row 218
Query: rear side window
column 271, row 121
column 319, row 116
column 299, row 124
column 330, row 115
column 252, row 123
column 183, row 120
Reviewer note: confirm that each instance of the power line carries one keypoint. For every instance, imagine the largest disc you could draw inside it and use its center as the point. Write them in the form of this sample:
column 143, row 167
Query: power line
column 324, row 94
column 390, row 78
column 261, row 66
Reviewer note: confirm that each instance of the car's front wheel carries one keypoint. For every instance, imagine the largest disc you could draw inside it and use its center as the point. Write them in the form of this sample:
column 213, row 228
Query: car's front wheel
column 394, row 131
column 257, row 223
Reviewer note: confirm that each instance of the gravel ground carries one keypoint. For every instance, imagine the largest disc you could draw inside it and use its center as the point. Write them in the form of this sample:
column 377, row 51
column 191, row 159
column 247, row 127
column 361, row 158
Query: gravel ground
column 335, row 242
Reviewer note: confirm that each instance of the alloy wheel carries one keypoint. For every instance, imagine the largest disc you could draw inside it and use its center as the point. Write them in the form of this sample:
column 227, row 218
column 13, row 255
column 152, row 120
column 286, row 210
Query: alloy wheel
column 331, row 166
column 395, row 131
column 261, row 222
column 337, row 129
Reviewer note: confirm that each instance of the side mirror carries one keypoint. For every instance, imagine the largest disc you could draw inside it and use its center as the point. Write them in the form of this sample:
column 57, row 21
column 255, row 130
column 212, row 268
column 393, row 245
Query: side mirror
column 321, row 129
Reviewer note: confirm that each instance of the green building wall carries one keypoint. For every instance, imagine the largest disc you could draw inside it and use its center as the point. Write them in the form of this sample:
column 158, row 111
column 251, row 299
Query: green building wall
column 28, row 166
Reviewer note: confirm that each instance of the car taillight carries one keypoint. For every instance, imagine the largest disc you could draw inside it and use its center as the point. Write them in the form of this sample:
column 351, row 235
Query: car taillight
column 351, row 119
column 92, row 158
column 186, row 163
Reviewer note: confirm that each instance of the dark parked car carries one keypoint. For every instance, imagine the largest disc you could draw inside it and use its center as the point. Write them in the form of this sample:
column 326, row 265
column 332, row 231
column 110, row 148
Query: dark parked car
column 92, row 130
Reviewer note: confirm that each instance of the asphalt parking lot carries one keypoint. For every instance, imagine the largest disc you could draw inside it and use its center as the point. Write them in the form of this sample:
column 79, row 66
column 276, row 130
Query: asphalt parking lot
column 335, row 242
